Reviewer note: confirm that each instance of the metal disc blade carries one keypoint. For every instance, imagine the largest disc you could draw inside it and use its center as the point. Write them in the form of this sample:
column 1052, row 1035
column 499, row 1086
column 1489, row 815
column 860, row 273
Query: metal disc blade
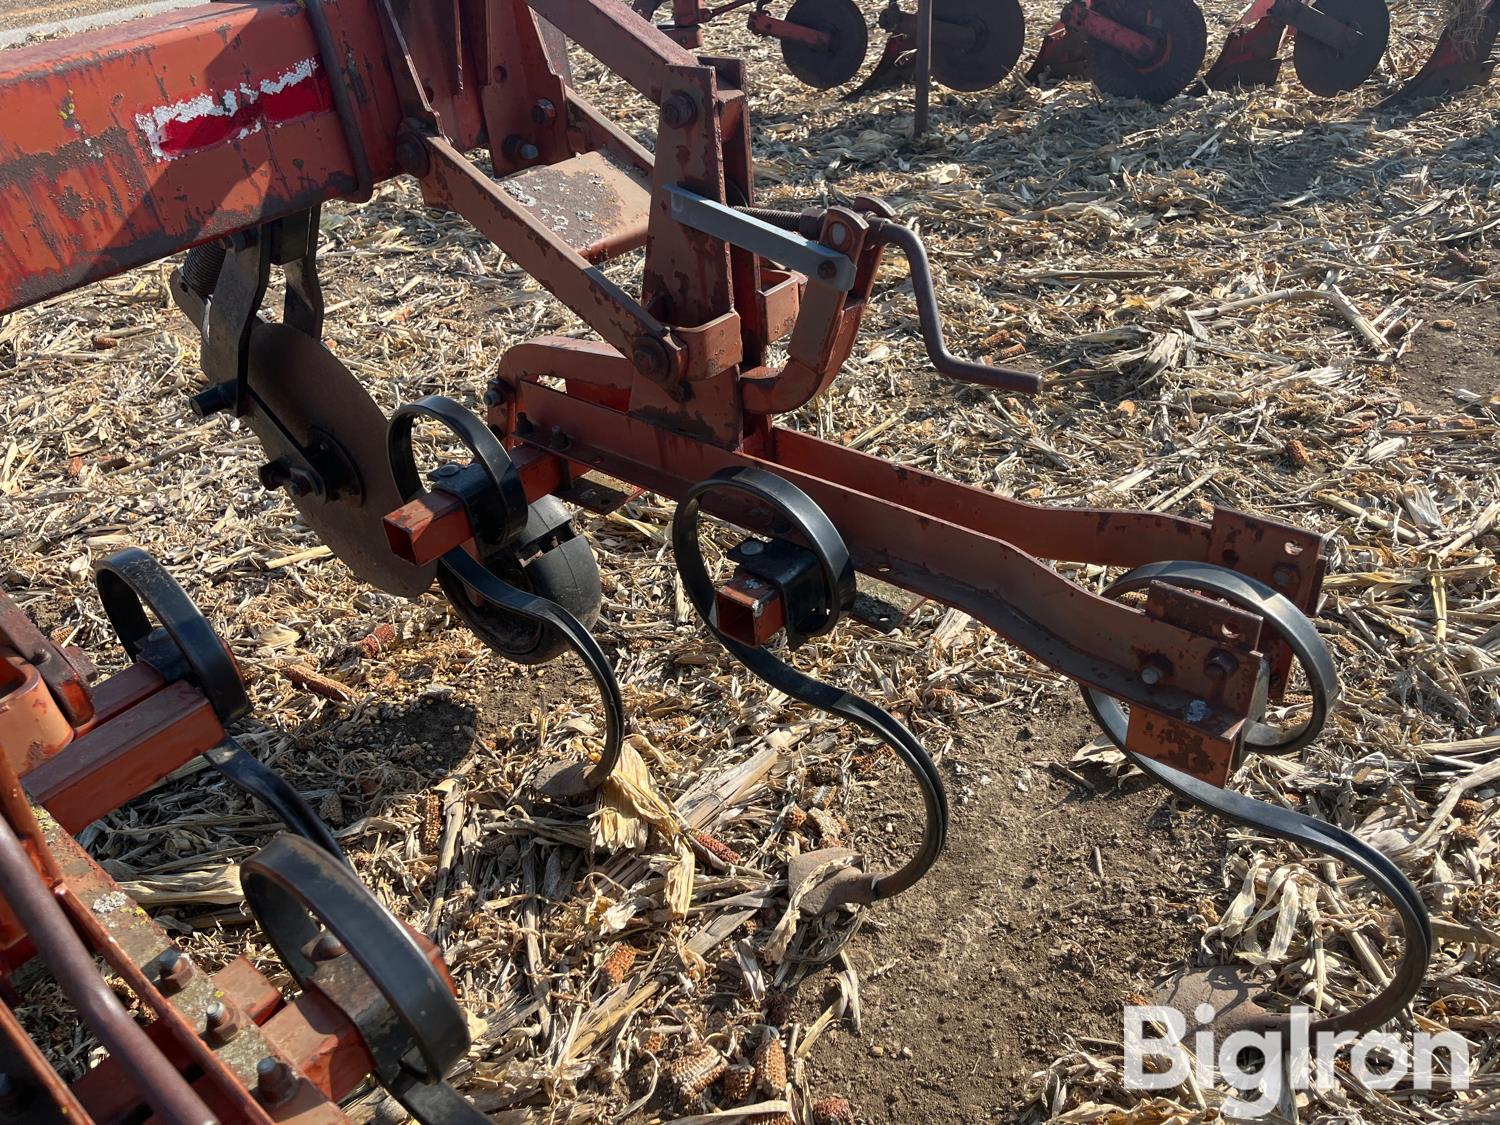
column 314, row 395
column 1459, row 59
column 976, row 43
column 1167, row 74
column 1326, row 71
column 844, row 25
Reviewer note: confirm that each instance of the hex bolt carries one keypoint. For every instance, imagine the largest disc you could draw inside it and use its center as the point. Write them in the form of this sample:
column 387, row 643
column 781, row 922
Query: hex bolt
column 650, row 356
column 327, row 947
column 1220, row 664
column 679, row 110
column 274, row 474
column 412, row 154
column 222, row 1023
column 494, row 395
column 827, row 270
column 518, row 149
column 544, row 112
column 300, row 483
column 275, row 1082
column 1285, row 575
column 173, row 971
column 1154, row 669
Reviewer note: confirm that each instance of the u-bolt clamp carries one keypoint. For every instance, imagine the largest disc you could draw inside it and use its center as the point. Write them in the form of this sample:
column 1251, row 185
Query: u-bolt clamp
column 824, row 879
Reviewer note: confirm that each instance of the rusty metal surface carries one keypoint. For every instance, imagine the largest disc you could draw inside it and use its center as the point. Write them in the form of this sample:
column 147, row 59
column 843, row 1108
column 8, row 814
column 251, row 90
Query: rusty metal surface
column 66, row 672
column 73, row 968
column 1085, row 637
column 18, row 1047
column 588, row 201
column 32, row 727
column 128, row 144
column 123, row 758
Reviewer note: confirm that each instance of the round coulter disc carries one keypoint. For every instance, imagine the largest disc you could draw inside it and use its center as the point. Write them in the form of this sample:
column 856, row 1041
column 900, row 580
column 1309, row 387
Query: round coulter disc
column 1325, row 70
column 849, row 38
column 976, row 43
column 317, row 399
column 1165, row 75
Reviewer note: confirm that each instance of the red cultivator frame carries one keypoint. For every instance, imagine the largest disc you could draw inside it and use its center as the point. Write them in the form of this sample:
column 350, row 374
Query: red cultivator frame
column 225, row 1046
column 225, row 127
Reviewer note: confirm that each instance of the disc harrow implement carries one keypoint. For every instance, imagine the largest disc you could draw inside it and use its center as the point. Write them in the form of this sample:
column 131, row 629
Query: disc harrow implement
column 1464, row 56
column 1147, row 49
column 1203, row 654
column 1336, row 44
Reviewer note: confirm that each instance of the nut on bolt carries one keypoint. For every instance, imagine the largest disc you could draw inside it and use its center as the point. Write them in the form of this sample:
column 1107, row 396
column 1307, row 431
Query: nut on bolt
column 275, row 1081
column 650, row 356
column 518, row 149
column 1220, row 664
column 412, row 154
column 221, row 1023
column 679, row 110
column 327, row 947
column 173, row 971
column 544, row 112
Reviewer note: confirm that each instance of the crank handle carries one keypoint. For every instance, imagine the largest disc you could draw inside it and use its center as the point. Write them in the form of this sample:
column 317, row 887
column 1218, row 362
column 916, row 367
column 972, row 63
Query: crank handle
column 930, row 321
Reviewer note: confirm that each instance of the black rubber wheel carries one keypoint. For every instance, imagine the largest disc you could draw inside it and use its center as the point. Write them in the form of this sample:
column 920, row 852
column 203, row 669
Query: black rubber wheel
column 1326, row 71
column 999, row 37
column 554, row 563
column 1175, row 65
column 845, row 25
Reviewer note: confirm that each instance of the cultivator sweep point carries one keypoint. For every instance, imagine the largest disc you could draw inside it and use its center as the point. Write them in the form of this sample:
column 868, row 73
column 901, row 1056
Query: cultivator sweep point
column 678, row 394
column 374, row 1000
column 1463, row 57
column 1336, row 44
column 1147, row 49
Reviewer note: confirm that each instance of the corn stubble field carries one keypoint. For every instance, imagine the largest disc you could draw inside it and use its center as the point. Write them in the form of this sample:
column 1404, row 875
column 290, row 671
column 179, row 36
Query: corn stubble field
column 1261, row 300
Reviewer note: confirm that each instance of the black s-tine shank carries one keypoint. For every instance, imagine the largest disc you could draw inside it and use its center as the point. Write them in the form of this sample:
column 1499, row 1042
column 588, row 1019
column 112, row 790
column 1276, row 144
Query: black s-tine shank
column 497, row 511
column 812, row 526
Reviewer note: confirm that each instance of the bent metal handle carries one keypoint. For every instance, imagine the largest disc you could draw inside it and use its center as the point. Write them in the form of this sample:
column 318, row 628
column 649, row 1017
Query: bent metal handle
column 497, row 514
column 930, row 320
column 813, row 525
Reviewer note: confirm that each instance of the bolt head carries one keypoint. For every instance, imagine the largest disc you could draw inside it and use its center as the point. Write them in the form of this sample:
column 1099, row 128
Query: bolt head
column 274, row 1081
column 327, row 947
column 544, row 112
column 838, row 235
column 529, row 151
column 1284, row 575
column 1151, row 675
column 173, row 971
column 827, row 270
column 412, row 155
column 752, row 547
column 649, row 356
column 679, row 110
column 1220, row 664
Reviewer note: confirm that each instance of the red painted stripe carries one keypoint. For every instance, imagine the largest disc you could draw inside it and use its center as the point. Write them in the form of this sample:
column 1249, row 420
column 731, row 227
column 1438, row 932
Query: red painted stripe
column 311, row 95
